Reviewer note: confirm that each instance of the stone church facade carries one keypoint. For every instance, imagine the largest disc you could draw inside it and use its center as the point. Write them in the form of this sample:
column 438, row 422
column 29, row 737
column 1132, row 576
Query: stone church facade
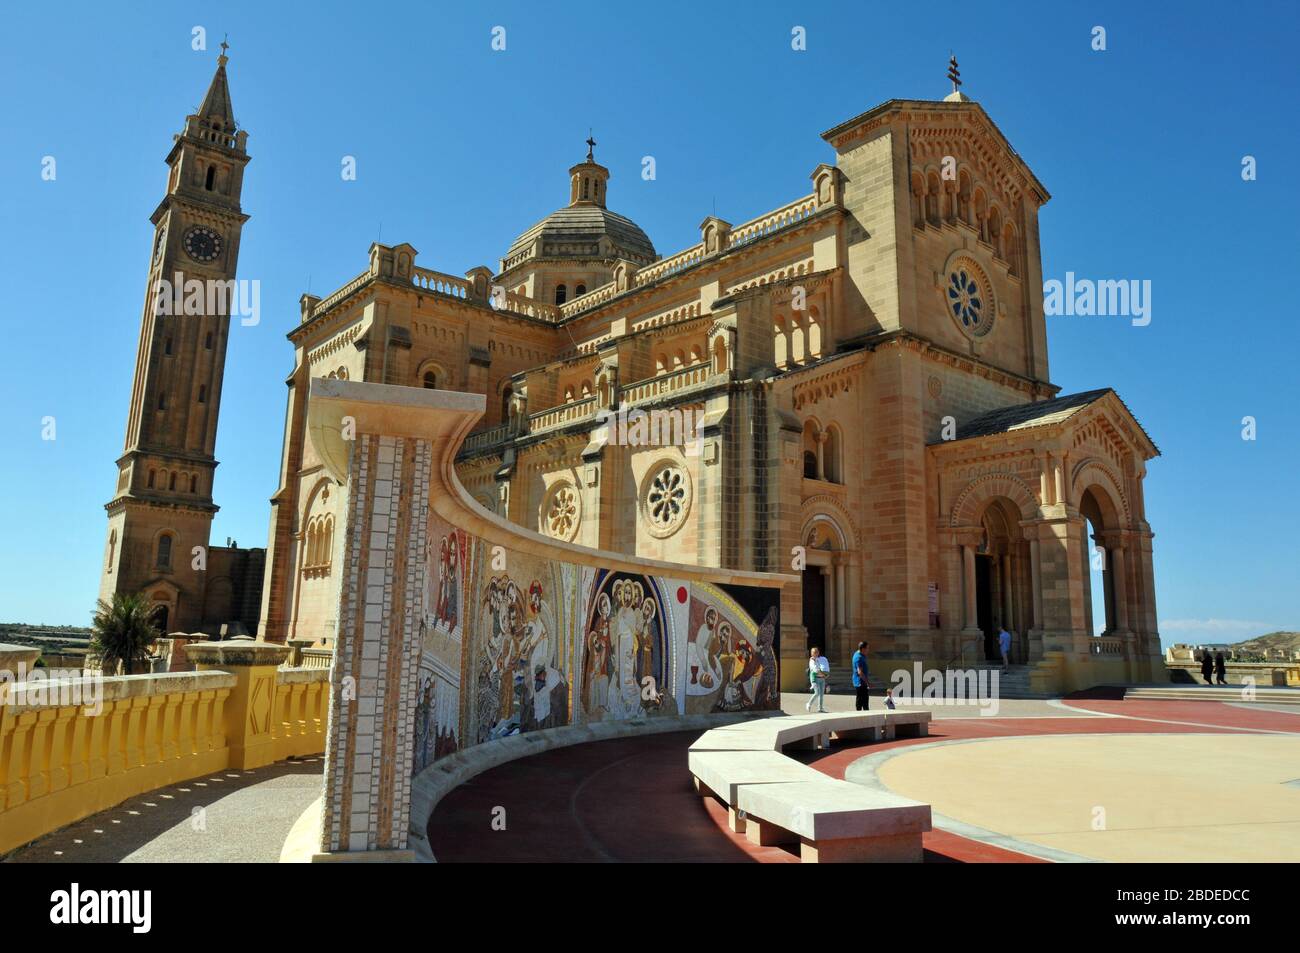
column 868, row 369
column 856, row 383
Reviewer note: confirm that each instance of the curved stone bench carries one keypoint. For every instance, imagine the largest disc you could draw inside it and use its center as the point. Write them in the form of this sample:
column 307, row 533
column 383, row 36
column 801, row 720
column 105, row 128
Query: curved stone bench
column 773, row 799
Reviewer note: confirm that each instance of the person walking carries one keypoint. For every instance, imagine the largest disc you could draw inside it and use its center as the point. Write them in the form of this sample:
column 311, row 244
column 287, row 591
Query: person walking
column 819, row 671
column 1220, row 668
column 1004, row 646
column 860, row 675
column 1207, row 667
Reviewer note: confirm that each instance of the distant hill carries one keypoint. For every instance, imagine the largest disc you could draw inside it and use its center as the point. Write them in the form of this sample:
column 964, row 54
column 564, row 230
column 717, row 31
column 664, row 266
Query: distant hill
column 1287, row 641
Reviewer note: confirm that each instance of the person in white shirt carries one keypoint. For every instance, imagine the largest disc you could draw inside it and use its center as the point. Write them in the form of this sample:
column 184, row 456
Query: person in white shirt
column 819, row 670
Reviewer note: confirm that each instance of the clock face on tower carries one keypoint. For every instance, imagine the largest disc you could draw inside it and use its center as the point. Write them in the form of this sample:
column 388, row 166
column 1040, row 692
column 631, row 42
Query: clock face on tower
column 202, row 244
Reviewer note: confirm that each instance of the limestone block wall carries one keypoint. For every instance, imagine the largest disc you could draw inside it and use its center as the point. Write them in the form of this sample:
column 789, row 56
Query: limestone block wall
column 458, row 627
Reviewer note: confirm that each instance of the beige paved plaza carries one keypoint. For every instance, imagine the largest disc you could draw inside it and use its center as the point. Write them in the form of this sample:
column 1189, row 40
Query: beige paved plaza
column 1182, row 797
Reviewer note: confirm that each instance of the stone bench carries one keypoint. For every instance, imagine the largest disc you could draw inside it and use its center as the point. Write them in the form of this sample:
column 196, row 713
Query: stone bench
column 773, row 799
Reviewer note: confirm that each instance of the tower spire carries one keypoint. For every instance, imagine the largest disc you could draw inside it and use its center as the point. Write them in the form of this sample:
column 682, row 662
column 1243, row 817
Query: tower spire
column 216, row 108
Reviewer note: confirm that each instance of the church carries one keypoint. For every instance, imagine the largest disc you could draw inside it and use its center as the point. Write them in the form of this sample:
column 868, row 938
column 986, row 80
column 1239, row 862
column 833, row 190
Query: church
column 864, row 369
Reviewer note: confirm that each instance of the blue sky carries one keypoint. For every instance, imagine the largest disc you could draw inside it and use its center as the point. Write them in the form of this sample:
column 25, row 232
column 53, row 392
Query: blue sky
column 459, row 148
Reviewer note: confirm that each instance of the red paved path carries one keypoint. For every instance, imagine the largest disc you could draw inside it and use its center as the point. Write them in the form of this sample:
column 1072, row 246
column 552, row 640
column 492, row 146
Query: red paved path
column 631, row 799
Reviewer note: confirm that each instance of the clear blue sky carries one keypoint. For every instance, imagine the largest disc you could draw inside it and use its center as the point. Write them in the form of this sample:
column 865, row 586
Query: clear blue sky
column 459, row 148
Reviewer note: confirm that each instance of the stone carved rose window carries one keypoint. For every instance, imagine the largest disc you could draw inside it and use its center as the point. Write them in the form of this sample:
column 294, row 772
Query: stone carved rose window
column 666, row 499
column 969, row 299
column 562, row 512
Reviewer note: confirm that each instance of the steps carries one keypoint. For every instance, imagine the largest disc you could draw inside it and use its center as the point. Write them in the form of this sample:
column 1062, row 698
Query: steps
column 1265, row 695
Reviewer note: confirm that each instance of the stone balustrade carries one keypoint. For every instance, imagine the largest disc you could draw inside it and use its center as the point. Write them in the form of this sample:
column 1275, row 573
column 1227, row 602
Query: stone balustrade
column 592, row 298
column 685, row 378
column 440, row 283
column 325, row 304
column 489, row 437
column 764, row 225
column 669, row 266
column 572, row 412
column 70, row 748
column 520, row 304
column 1107, row 646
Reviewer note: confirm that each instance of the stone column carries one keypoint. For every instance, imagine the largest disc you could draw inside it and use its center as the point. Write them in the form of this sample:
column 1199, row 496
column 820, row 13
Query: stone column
column 1119, row 589
column 841, row 596
column 1036, row 585
column 366, row 806
column 971, row 621
column 1006, row 590
column 251, row 706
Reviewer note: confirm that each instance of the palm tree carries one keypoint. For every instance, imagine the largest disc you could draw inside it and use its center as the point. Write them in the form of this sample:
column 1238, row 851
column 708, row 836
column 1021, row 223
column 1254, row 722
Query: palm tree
column 122, row 633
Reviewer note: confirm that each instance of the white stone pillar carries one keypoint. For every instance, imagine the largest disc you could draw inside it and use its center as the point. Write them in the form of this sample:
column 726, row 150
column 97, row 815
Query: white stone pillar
column 368, row 752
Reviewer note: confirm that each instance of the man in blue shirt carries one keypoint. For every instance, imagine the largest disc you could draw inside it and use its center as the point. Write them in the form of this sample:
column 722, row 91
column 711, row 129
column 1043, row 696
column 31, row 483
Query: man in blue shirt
column 860, row 674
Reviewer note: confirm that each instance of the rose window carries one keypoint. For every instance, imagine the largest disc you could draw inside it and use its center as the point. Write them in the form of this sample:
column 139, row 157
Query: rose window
column 666, row 499
column 968, row 298
column 561, row 519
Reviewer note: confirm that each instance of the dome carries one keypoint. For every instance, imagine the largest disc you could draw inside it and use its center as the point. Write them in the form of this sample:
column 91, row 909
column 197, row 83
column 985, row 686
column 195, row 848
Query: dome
column 585, row 228
column 586, row 231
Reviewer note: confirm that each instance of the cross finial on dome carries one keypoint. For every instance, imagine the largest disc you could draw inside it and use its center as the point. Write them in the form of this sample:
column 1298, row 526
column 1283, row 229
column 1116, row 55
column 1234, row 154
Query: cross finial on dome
column 224, row 46
column 591, row 144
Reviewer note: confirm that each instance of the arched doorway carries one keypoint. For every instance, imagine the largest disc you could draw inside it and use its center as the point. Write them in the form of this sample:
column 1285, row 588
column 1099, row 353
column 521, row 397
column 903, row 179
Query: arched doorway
column 1001, row 583
column 824, row 583
column 1104, row 597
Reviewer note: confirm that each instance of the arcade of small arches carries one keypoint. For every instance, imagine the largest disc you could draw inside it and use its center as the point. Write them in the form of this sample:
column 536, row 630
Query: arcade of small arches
column 174, row 481
column 798, row 338
column 822, row 451
column 937, row 200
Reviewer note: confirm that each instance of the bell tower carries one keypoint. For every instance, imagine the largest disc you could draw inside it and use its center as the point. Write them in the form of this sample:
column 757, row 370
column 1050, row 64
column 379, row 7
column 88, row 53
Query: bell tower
column 163, row 506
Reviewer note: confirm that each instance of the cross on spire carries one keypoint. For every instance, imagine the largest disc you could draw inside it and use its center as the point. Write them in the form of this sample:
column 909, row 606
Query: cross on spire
column 591, row 144
column 954, row 74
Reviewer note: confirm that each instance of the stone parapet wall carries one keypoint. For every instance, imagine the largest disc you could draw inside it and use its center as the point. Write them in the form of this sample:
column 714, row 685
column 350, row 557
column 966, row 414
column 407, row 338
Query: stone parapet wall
column 71, row 748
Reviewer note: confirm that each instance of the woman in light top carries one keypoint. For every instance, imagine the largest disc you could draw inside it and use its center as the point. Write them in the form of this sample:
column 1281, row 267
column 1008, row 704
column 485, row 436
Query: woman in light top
column 819, row 670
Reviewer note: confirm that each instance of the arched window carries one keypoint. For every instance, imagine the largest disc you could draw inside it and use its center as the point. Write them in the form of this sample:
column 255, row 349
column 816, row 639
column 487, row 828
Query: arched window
column 162, row 401
column 561, row 294
column 212, row 177
column 152, row 475
column 112, row 549
column 203, row 393
column 207, row 342
column 167, row 345
column 831, row 455
column 506, row 393
column 171, row 482
column 579, row 291
column 165, row 551
column 720, row 365
column 810, row 465
column 430, row 380
column 194, row 484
